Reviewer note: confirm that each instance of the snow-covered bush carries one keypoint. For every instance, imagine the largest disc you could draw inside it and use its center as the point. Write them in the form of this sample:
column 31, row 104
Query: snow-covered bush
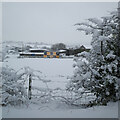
column 99, row 75
column 17, row 86
column 13, row 89
column 81, row 73
column 3, row 52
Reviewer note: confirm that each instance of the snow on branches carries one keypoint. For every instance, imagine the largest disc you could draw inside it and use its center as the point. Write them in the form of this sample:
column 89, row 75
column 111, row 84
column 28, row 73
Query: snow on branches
column 15, row 88
column 99, row 74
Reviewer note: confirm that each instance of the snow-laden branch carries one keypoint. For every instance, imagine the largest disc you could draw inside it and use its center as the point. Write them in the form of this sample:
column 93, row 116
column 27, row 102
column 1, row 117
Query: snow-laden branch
column 96, row 21
column 87, row 25
column 86, row 30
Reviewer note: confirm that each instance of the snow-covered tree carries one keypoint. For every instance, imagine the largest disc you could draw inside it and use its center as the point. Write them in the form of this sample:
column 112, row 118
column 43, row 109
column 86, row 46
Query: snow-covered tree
column 58, row 46
column 13, row 88
column 99, row 73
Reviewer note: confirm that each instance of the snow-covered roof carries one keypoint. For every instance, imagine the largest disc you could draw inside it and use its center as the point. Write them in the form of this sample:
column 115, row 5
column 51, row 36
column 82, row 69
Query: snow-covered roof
column 37, row 49
column 41, row 53
column 87, row 46
column 62, row 50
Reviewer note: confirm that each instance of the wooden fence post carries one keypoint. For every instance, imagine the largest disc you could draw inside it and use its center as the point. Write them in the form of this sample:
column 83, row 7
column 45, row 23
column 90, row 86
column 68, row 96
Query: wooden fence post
column 102, row 43
column 30, row 87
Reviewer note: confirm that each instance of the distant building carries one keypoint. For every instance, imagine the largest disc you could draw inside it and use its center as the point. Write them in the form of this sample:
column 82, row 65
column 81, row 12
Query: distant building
column 82, row 47
column 41, row 53
column 62, row 53
column 75, row 51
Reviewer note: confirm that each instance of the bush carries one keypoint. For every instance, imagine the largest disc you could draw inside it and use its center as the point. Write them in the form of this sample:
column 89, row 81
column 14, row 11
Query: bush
column 13, row 89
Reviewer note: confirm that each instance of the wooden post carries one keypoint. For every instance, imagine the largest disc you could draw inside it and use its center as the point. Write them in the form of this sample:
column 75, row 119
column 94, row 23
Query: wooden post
column 102, row 44
column 102, row 47
column 30, row 87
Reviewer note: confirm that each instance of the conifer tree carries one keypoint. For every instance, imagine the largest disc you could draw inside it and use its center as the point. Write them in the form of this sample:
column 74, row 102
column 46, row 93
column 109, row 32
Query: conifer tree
column 99, row 74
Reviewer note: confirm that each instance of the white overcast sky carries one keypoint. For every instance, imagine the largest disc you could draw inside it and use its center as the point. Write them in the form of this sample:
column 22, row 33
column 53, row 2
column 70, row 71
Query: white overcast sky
column 50, row 22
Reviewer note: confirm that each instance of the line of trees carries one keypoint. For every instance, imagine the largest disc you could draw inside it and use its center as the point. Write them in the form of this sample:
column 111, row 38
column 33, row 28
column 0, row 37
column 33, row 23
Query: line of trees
column 58, row 46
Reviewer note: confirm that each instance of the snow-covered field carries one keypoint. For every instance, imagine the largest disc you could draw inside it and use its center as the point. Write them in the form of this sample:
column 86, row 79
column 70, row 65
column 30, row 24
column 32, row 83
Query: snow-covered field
column 58, row 71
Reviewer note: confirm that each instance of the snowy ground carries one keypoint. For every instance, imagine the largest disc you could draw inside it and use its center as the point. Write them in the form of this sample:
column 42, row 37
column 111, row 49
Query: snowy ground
column 35, row 111
column 58, row 71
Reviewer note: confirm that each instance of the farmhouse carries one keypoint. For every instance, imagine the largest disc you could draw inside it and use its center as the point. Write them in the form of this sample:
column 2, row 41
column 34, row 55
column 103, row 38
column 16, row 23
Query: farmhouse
column 41, row 53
